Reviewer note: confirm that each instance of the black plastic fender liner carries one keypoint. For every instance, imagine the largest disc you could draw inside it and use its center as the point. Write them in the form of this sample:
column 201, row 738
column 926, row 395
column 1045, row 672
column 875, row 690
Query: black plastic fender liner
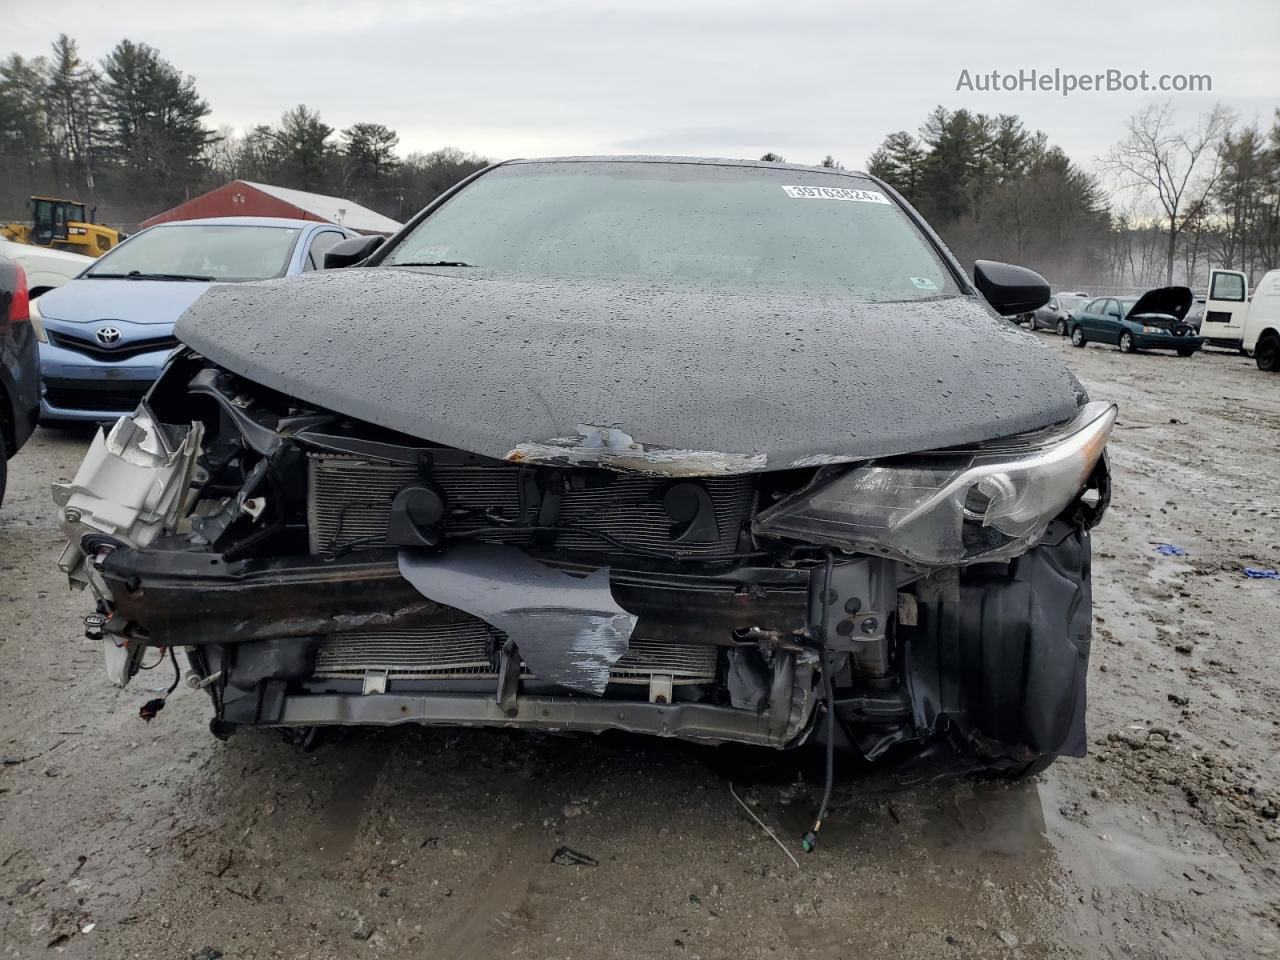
column 1009, row 659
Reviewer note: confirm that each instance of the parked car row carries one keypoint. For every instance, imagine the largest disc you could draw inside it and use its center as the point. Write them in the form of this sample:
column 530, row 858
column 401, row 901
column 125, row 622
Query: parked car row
column 1174, row 318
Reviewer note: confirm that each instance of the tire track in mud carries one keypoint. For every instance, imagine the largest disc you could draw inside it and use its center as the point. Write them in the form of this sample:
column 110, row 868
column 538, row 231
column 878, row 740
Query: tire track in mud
column 496, row 908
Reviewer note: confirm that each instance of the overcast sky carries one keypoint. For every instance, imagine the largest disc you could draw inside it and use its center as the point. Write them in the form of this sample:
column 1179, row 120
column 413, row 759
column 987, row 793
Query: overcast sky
column 804, row 78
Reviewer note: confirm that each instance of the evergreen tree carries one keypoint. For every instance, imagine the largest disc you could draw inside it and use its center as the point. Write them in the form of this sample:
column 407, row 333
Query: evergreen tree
column 304, row 157
column 22, row 109
column 71, row 117
column 899, row 162
column 370, row 152
column 153, row 117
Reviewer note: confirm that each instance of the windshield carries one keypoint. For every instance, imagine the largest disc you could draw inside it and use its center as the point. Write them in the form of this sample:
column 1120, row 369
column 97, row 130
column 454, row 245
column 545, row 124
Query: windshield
column 736, row 226
column 201, row 251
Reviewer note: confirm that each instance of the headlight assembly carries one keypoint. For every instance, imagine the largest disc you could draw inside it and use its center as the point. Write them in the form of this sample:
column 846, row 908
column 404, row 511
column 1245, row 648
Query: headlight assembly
column 37, row 321
column 988, row 502
column 1154, row 330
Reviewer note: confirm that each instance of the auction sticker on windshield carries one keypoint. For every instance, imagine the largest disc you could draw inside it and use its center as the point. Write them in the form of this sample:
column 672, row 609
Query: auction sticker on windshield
column 835, row 193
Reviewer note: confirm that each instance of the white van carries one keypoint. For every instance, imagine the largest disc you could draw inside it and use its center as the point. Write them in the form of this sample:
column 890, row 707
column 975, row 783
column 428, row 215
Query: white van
column 1260, row 331
column 1225, row 309
column 45, row 268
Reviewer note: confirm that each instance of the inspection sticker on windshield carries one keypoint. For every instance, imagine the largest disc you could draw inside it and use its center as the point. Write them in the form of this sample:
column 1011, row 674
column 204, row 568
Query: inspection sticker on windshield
column 835, row 193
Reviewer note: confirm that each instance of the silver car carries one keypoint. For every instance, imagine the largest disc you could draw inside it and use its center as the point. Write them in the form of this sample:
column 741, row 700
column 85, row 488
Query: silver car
column 1056, row 314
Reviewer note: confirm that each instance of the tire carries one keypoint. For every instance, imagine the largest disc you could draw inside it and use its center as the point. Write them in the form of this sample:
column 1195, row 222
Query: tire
column 1126, row 342
column 1184, row 352
column 1077, row 337
column 1062, row 328
column 1267, row 353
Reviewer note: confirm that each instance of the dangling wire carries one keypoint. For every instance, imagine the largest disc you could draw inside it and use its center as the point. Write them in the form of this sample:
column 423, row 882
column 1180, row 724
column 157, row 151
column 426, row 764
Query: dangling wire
column 810, row 840
column 152, row 707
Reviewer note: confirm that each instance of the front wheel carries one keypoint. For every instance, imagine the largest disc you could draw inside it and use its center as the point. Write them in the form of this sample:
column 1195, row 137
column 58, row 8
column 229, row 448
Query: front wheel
column 1077, row 337
column 1062, row 328
column 1185, row 352
column 1267, row 354
column 1126, row 342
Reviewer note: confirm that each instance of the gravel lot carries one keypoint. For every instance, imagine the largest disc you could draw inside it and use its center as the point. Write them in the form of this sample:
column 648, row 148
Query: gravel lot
column 119, row 839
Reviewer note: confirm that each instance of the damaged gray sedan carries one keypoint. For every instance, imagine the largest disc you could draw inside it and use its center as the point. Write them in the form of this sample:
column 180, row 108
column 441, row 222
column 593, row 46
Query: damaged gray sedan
column 717, row 450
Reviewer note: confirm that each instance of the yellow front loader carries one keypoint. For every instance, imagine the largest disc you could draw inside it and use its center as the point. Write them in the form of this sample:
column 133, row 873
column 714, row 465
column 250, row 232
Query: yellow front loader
column 62, row 225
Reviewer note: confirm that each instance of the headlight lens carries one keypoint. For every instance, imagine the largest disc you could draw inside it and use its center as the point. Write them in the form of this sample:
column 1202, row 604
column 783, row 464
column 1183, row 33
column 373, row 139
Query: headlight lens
column 1153, row 330
column 990, row 502
column 37, row 321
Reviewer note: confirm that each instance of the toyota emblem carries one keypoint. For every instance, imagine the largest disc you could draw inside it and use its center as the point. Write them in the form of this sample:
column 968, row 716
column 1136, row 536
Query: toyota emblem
column 108, row 335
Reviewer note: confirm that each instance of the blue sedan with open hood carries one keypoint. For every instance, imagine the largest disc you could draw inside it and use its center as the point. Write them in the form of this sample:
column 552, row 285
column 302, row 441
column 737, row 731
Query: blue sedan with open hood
column 106, row 335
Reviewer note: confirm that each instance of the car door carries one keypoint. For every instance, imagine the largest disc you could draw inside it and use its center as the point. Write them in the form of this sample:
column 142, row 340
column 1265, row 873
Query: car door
column 1089, row 318
column 1226, row 306
column 1109, row 325
column 1047, row 315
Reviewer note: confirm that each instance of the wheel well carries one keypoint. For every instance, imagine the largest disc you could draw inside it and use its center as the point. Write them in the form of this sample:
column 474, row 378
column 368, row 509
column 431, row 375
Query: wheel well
column 1270, row 333
column 37, row 291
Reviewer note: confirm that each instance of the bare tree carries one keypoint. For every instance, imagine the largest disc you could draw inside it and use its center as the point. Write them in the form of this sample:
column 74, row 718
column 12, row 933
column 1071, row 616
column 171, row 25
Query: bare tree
column 1178, row 168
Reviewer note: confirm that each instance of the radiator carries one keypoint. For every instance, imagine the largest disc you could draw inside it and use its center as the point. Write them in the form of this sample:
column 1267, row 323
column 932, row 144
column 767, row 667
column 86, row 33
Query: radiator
column 468, row 650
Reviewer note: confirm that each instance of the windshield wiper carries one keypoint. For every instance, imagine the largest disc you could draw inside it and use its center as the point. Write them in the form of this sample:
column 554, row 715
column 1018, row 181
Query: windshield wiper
column 139, row 275
column 435, row 263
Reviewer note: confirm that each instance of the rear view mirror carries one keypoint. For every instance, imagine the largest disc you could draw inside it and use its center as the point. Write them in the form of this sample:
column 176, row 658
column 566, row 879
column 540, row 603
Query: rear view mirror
column 344, row 253
column 1009, row 289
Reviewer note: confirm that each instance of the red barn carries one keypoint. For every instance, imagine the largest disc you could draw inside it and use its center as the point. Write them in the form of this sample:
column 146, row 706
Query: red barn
column 242, row 198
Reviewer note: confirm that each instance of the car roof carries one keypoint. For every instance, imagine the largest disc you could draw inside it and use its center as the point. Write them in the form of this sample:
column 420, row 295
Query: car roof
column 703, row 161
column 247, row 222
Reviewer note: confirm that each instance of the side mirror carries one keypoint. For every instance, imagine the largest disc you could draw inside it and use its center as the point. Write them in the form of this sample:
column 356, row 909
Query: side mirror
column 344, row 253
column 1010, row 290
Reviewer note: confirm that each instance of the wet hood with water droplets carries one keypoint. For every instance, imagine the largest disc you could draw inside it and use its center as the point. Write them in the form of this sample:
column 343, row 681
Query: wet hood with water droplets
column 659, row 378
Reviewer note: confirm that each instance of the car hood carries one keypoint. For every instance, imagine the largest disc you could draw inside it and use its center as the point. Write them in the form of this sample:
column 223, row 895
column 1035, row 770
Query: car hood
column 1165, row 301
column 87, row 300
column 656, row 378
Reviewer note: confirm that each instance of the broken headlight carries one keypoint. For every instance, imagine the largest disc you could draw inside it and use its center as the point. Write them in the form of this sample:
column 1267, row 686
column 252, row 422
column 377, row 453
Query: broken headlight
column 988, row 502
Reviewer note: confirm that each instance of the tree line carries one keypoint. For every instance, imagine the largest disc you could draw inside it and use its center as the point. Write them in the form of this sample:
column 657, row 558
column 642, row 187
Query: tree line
column 128, row 135
column 1183, row 198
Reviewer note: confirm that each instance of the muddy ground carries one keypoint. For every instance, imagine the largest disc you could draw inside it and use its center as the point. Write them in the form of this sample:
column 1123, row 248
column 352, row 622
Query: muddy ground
column 119, row 839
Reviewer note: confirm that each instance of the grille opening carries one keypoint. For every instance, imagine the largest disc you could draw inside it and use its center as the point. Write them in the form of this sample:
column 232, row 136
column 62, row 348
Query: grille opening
column 114, row 396
column 349, row 499
column 114, row 352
